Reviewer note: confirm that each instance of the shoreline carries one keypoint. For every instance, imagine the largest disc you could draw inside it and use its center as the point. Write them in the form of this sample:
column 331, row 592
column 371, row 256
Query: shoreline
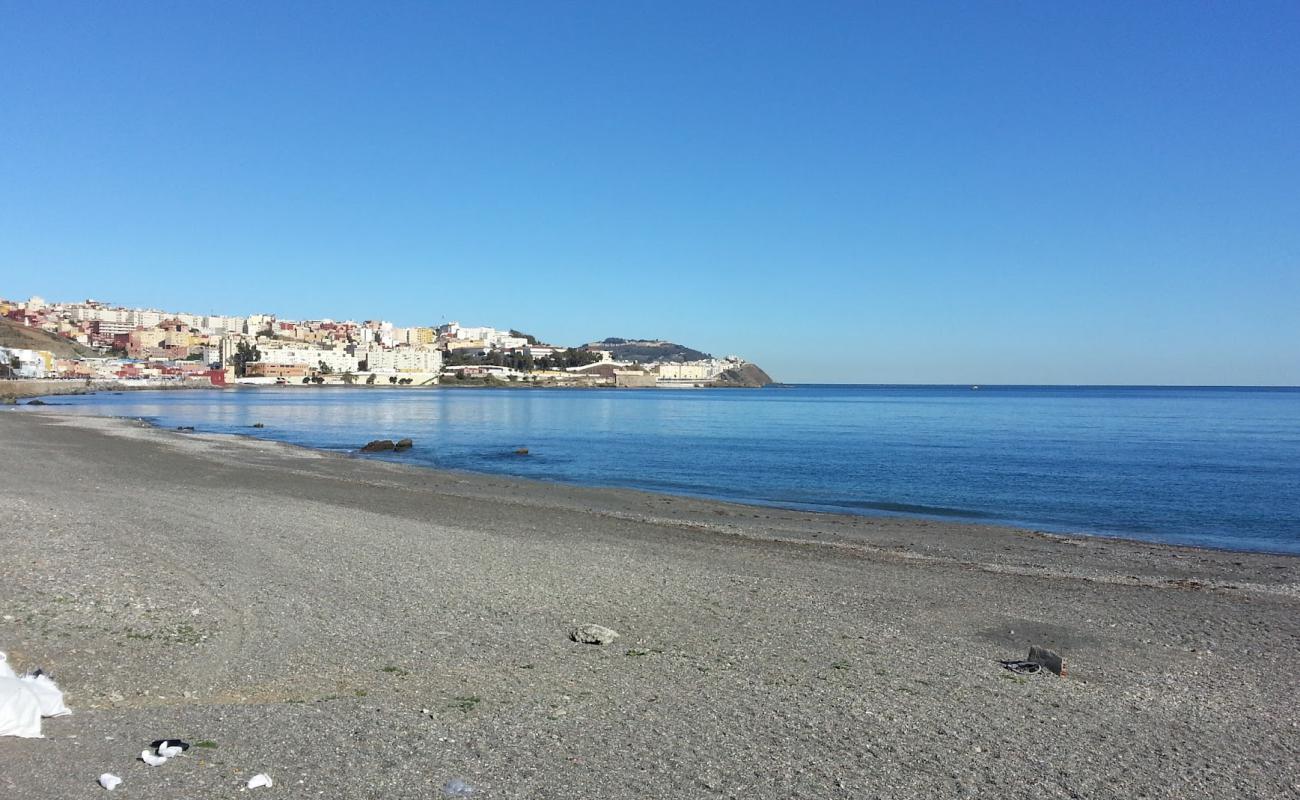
column 784, row 525
column 355, row 627
column 1039, row 529
column 11, row 391
column 737, row 506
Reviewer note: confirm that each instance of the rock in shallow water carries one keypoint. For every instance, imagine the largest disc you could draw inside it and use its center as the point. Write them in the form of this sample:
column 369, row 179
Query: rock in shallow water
column 404, row 444
column 378, row 446
column 593, row 634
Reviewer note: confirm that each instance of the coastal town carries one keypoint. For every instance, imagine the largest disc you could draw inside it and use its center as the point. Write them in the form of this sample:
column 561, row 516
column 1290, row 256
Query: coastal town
column 101, row 342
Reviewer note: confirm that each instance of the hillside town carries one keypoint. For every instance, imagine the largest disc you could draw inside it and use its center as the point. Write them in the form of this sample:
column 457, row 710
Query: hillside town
column 97, row 341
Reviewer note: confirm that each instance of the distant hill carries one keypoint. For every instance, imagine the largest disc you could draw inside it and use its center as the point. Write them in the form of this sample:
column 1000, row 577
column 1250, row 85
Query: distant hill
column 21, row 337
column 646, row 350
column 746, row 375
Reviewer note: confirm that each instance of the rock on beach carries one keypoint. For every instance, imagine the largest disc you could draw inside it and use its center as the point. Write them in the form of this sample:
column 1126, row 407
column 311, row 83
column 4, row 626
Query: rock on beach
column 593, row 634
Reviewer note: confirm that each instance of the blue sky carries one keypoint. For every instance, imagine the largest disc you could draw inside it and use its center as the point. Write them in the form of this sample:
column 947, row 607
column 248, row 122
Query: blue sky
column 856, row 192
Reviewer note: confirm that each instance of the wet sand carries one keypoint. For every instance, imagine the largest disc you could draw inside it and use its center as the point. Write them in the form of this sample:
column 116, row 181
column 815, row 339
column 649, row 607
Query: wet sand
column 357, row 628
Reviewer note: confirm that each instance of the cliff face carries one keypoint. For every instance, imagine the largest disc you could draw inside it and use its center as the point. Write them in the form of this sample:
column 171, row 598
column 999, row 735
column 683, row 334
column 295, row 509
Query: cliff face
column 747, row 376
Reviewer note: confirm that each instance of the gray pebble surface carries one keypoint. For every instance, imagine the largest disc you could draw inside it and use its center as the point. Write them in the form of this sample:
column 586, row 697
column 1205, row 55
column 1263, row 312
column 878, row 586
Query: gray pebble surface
column 356, row 628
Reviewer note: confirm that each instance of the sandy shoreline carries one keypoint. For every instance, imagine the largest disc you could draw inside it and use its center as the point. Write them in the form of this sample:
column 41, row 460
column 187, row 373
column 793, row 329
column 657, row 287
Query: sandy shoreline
column 376, row 630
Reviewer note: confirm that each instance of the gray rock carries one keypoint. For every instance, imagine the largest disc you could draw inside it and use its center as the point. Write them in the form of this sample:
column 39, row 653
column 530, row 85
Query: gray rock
column 593, row 634
column 404, row 444
column 378, row 446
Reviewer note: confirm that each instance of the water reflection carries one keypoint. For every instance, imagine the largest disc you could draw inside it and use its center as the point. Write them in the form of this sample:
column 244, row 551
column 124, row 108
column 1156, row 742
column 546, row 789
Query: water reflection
column 1199, row 466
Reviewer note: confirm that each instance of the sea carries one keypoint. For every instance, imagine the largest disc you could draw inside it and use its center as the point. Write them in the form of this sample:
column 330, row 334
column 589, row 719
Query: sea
column 1215, row 467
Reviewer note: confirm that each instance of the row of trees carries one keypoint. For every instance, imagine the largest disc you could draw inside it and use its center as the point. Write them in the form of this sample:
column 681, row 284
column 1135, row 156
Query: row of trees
column 523, row 362
column 350, row 379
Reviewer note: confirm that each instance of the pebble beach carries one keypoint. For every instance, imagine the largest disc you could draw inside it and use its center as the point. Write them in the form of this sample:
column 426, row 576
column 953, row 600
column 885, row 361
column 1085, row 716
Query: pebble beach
column 356, row 628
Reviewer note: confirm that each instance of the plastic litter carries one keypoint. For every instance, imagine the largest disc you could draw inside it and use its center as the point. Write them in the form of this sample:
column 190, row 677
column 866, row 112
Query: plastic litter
column 159, row 744
column 1049, row 659
column 109, row 781
column 1022, row 667
column 170, row 748
column 259, row 780
column 1040, row 658
column 20, row 710
column 151, row 759
column 23, row 701
column 47, row 693
column 457, row 788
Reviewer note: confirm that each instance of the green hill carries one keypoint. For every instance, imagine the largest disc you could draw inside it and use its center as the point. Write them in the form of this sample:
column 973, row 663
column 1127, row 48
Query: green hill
column 646, row 350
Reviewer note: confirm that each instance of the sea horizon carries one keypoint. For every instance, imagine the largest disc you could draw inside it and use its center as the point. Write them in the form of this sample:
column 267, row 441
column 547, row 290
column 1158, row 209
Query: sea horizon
column 983, row 386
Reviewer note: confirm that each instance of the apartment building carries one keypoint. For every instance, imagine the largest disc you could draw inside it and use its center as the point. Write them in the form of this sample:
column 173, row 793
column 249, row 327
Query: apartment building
column 402, row 359
column 336, row 359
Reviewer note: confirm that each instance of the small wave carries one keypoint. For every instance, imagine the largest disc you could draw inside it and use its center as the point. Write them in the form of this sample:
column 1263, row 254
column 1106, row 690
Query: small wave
column 911, row 508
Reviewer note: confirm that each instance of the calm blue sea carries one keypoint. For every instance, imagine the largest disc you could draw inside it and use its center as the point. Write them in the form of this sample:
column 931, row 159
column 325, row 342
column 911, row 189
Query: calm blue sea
column 1201, row 466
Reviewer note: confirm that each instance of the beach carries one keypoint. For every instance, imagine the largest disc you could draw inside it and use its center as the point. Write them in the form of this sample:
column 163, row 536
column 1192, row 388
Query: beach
column 357, row 628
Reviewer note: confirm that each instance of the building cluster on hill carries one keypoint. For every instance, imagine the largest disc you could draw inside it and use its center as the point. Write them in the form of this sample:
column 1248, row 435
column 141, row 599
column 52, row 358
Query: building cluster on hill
column 134, row 343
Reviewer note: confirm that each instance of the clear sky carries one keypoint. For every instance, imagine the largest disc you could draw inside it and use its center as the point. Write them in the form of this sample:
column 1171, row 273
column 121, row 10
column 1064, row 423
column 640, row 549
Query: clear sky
column 850, row 192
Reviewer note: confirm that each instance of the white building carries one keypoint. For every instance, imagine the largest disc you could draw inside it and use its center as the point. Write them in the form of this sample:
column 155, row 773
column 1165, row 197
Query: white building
column 114, row 328
column 690, row 370
column 402, row 359
column 509, row 342
column 26, row 363
column 125, row 320
column 336, row 359
column 221, row 325
column 256, row 323
column 493, row 337
column 145, row 317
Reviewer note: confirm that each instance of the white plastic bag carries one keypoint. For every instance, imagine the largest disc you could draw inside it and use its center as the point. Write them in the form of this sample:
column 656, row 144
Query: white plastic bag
column 151, row 759
column 49, row 695
column 20, row 709
column 23, row 701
